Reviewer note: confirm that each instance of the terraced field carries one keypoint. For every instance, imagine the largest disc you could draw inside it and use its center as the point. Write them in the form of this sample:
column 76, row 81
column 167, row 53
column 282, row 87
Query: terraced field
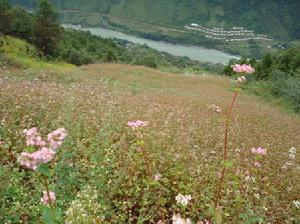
column 106, row 173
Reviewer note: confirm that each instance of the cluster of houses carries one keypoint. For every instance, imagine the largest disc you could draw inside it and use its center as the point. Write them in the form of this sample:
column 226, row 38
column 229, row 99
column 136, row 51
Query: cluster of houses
column 234, row 34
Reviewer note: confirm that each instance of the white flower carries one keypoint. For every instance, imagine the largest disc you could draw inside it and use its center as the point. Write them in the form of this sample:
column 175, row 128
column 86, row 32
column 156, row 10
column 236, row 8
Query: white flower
column 216, row 108
column 176, row 219
column 241, row 79
column 284, row 167
column 256, row 196
column 292, row 156
column 183, row 199
column 292, row 153
column 297, row 204
column 292, row 150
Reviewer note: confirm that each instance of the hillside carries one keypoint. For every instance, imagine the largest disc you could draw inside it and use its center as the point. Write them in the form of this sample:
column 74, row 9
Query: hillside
column 276, row 18
column 107, row 172
column 108, row 140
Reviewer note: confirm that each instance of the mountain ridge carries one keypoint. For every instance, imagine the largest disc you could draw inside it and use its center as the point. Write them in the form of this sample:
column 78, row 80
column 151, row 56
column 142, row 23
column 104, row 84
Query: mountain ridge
column 278, row 18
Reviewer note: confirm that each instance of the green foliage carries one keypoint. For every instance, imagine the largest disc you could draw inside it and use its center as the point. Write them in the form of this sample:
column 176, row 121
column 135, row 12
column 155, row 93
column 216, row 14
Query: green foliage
column 280, row 72
column 21, row 23
column 289, row 61
column 5, row 18
column 46, row 28
column 158, row 21
column 288, row 89
column 148, row 60
column 79, row 47
column 44, row 170
column 274, row 18
column 51, row 216
column 19, row 53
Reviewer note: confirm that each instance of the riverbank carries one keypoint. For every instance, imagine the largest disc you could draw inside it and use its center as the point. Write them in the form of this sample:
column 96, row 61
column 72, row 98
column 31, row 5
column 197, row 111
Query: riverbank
column 170, row 33
column 192, row 52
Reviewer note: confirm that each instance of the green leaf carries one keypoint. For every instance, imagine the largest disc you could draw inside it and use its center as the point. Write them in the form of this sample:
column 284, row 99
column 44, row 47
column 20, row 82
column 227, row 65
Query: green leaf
column 44, row 170
column 48, row 216
column 237, row 90
column 29, row 149
column 227, row 163
column 218, row 216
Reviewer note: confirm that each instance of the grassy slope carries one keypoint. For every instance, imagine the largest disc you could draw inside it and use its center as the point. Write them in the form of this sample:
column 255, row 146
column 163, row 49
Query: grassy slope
column 19, row 53
column 95, row 102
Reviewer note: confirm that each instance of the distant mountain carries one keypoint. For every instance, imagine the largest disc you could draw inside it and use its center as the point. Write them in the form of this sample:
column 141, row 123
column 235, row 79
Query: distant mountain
column 278, row 18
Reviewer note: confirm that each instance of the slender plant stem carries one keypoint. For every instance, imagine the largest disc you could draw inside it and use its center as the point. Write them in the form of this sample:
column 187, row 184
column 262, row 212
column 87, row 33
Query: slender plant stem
column 218, row 194
column 48, row 194
column 146, row 158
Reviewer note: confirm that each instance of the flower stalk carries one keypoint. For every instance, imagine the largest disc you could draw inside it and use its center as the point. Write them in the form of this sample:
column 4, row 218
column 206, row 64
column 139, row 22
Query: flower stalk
column 239, row 69
column 218, row 194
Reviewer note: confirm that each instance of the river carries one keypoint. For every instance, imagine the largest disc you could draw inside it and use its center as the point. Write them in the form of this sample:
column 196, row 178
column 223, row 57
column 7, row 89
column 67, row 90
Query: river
column 192, row 52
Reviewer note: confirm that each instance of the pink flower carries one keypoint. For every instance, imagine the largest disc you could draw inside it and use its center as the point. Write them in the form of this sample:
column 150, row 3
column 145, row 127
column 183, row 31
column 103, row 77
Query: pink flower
column 56, row 138
column 33, row 137
column 259, row 151
column 46, row 200
column 247, row 69
column 44, row 154
column 157, row 177
column 33, row 160
column 137, row 124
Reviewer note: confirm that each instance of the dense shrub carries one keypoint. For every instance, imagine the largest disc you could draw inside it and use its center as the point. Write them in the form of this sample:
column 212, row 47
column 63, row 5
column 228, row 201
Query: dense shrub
column 280, row 71
column 289, row 89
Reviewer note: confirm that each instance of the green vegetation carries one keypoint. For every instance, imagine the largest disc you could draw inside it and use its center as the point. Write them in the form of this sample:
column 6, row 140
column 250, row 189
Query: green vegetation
column 54, row 43
column 46, row 28
column 20, row 54
column 102, row 164
column 279, row 20
column 276, row 75
column 165, row 20
column 107, row 172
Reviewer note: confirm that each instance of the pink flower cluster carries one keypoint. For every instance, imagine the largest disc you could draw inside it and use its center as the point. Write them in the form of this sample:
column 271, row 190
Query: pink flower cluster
column 137, row 124
column 247, row 69
column 33, row 137
column 46, row 150
column 259, row 151
column 33, row 160
column 56, row 138
column 46, row 200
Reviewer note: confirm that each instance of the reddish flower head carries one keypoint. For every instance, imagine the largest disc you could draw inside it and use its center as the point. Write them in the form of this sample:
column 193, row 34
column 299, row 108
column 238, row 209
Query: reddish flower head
column 45, row 199
column 247, row 69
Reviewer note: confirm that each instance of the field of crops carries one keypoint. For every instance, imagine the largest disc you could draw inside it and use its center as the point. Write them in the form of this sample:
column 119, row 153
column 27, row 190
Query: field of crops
column 108, row 172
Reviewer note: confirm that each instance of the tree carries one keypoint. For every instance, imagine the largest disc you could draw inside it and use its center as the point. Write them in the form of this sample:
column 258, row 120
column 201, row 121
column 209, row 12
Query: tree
column 21, row 24
column 266, row 66
column 5, row 18
column 47, row 30
column 289, row 60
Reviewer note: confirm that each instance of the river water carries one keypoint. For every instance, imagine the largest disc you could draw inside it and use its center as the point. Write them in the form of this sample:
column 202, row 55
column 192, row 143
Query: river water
column 192, row 52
